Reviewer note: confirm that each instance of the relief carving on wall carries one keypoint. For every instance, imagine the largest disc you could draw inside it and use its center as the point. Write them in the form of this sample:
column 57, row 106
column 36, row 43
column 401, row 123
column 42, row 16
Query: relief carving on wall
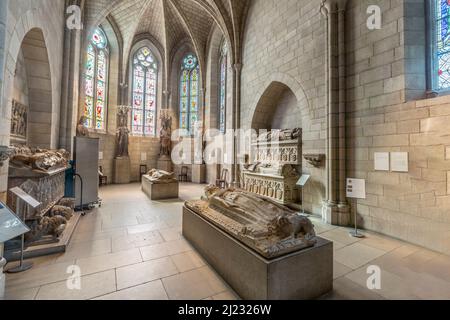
column 269, row 228
column 19, row 121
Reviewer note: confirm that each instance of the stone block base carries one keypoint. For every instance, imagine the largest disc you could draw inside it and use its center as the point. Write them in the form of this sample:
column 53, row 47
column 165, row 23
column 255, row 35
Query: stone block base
column 337, row 215
column 160, row 191
column 306, row 274
column 122, row 171
column 199, row 173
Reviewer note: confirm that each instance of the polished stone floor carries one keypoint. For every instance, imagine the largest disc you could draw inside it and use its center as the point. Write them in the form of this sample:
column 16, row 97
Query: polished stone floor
column 132, row 248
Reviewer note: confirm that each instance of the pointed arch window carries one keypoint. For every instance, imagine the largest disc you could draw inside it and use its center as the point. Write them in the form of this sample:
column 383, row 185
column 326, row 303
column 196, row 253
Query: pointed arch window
column 441, row 45
column 145, row 83
column 223, row 87
column 96, row 81
column 189, row 93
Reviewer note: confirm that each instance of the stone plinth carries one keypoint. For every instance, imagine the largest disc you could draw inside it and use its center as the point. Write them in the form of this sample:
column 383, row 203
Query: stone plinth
column 160, row 191
column 165, row 164
column 306, row 274
column 122, row 171
column 199, row 173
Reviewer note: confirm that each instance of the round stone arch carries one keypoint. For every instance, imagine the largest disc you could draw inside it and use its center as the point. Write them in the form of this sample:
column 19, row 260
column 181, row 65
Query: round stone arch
column 34, row 56
column 48, row 101
column 274, row 87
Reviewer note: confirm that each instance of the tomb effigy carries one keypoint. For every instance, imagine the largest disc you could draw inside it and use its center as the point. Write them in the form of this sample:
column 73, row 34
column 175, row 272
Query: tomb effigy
column 263, row 249
column 160, row 185
column 265, row 226
column 41, row 174
column 274, row 172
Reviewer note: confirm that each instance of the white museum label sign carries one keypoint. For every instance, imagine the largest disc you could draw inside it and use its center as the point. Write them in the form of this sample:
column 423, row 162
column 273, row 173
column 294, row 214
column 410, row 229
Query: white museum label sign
column 399, row 162
column 25, row 197
column 381, row 161
column 303, row 180
column 356, row 188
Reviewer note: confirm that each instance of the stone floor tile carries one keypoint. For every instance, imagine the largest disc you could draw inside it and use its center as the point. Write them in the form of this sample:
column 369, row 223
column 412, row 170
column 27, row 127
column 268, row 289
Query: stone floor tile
column 194, row 285
column 356, row 255
column 165, row 249
column 92, row 286
column 188, row 261
column 110, row 261
column 141, row 273
column 149, row 291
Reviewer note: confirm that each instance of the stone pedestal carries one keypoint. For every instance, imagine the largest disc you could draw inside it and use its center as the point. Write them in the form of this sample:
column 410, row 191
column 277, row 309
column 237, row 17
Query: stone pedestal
column 305, row 274
column 122, row 171
column 160, row 191
column 199, row 173
column 165, row 164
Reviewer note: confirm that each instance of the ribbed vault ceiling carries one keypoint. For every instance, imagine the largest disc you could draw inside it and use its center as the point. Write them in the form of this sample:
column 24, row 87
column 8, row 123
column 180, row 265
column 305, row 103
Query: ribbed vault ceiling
column 171, row 21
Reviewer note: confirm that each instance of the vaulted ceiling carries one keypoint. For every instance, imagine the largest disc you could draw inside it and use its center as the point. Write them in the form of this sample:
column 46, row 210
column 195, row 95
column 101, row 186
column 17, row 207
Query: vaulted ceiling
column 170, row 22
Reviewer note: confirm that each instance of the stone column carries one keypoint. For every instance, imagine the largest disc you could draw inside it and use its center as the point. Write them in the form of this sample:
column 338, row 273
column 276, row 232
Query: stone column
column 335, row 209
column 70, row 85
column 237, row 72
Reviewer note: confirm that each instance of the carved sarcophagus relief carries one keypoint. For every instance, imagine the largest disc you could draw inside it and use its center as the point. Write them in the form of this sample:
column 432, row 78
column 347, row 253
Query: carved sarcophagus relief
column 277, row 156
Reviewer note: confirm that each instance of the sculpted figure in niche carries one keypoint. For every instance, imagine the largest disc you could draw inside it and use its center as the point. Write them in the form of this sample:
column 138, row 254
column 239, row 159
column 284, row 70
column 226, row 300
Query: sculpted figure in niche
column 122, row 132
column 82, row 131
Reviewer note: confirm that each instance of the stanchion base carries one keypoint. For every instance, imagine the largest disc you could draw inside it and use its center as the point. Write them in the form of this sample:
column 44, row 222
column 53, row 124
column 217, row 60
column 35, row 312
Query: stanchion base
column 356, row 234
column 21, row 268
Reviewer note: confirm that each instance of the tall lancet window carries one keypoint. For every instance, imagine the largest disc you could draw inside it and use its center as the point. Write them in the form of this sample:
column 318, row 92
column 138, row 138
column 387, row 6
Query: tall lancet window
column 223, row 87
column 145, row 82
column 441, row 48
column 189, row 93
column 96, row 81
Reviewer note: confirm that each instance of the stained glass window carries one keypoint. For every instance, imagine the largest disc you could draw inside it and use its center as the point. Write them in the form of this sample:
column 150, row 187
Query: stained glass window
column 96, row 81
column 145, row 81
column 442, row 45
column 189, row 93
column 223, row 87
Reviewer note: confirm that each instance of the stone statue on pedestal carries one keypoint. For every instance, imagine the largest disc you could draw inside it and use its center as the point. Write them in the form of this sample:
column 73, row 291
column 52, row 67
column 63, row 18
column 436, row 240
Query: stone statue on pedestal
column 165, row 135
column 165, row 151
column 122, row 132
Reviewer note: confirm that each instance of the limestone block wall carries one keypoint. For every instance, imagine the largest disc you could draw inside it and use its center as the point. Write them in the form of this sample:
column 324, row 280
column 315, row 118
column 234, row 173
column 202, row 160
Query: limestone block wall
column 412, row 206
column 285, row 43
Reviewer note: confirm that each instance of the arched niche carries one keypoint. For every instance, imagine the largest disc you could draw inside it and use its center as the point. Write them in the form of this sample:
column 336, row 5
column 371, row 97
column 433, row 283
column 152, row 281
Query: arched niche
column 32, row 88
column 277, row 108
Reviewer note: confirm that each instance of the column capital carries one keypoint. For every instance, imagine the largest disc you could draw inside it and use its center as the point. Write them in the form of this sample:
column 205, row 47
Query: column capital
column 332, row 6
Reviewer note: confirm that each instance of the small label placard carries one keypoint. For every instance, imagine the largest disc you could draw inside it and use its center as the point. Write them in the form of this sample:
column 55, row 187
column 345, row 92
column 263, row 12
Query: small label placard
column 303, row 180
column 356, row 188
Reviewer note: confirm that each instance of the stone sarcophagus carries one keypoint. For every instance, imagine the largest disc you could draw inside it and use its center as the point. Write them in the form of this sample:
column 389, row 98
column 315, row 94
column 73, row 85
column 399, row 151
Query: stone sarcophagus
column 264, row 250
column 41, row 174
column 274, row 174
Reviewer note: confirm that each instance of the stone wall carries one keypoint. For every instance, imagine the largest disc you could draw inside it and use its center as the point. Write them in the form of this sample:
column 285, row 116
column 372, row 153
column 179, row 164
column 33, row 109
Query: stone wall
column 285, row 43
